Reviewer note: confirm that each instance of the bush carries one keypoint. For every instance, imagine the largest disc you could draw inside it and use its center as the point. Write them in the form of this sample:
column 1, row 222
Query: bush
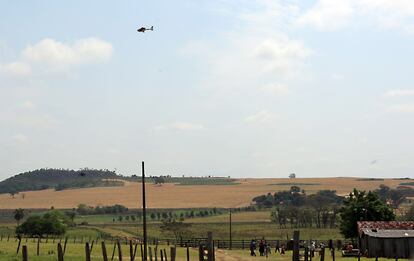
column 51, row 223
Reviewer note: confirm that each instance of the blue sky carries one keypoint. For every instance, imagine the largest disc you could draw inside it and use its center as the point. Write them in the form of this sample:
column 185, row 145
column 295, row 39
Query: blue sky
column 228, row 88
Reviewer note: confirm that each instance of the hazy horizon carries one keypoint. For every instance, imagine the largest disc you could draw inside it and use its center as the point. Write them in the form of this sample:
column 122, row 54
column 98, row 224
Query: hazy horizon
column 244, row 89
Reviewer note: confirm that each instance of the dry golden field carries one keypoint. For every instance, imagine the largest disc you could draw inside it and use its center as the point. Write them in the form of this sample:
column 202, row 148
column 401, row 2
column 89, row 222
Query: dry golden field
column 178, row 196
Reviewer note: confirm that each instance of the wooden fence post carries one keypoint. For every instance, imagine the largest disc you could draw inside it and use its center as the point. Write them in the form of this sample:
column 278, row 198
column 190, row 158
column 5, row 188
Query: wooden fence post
column 161, row 255
column 333, row 254
column 113, row 252
column 210, row 246
column 64, row 245
column 131, row 251
column 104, row 255
column 24, row 253
column 38, row 247
column 150, row 253
column 119, row 250
column 295, row 255
column 172, row 253
column 60, row 252
column 201, row 252
column 156, row 252
column 306, row 253
column 165, row 255
column 87, row 252
column 188, row 253
column 18, row 245
column 323, row 254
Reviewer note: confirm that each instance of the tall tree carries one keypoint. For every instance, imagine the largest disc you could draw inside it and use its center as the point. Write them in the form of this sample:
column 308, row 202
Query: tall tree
column 18, row 215
column 362, row 206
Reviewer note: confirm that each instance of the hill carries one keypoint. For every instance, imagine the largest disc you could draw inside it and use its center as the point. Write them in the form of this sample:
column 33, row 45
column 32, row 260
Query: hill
column 59, row 179
column 237, row 193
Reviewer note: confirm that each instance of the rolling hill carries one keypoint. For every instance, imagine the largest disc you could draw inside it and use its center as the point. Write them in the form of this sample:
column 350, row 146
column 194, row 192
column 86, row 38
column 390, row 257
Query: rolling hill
column 175, row 193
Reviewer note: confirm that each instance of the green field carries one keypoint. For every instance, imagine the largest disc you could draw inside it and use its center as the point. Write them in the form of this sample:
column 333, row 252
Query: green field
column 76, row 252
column 245, row 225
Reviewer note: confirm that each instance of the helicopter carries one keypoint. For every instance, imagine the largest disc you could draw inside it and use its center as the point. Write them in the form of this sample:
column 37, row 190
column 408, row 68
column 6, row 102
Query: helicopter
column 143, row 29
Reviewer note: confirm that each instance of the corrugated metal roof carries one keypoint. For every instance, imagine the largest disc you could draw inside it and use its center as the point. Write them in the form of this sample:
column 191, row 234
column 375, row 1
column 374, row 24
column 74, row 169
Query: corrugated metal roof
column 385, row 225
column 389, row 233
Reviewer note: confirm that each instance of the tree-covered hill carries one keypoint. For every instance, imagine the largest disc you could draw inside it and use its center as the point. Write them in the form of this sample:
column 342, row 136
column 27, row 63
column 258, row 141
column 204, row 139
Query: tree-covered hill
column 59, row 179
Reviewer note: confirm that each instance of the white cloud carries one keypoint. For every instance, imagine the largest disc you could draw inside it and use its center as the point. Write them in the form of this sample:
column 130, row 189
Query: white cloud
column 275, row 88
column 337, row 76
column 16, row 69
column 52, row 55
column 187, row 126
column 257, row 51
column 84, row 51
column 20, row 138
column 403, row 108
column 399, row 93
column 27, row 105
column 261, row 117
column 282, row 52
column 328, row 15
column 181, row 126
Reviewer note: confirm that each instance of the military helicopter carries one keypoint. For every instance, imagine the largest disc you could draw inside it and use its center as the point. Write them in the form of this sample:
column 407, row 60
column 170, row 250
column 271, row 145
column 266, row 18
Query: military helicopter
column 143, row 29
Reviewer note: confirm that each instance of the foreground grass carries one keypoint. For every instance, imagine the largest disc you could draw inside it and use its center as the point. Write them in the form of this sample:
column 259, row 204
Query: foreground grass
column 244, row 255
column 76, row 252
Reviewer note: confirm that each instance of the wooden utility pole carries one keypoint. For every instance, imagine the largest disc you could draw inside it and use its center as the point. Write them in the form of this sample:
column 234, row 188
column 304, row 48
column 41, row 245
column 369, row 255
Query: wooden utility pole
column 231, row 239
column 144, row 213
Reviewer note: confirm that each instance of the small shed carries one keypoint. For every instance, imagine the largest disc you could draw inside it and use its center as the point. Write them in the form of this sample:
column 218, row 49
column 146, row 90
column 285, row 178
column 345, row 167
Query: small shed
column 388, row 239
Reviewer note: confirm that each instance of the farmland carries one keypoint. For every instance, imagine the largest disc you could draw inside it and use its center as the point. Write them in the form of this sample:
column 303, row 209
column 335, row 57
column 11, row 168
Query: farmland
column 173, row 195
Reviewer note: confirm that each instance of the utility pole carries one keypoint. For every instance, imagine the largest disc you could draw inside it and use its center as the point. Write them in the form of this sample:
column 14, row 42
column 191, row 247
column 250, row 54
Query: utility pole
column 231, row 240
column 144, row 213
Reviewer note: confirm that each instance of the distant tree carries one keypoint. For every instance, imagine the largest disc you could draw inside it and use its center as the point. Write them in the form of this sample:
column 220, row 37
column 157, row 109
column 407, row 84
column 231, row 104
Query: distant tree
column 153, row 216
column 159, row 180
column 177, row 228
column 133, row 218
column 18, row 215
column 71, row 215
column 362, row 206
column 292, row 175
column 295, row 189
column 120, row 218
column 409, row 215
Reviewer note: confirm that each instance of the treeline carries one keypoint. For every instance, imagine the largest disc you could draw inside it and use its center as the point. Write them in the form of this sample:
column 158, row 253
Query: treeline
column 57, row 179
column 83, row 209
column 297, row 209
column 298, row 198
column 394, row 197
column 209, row 180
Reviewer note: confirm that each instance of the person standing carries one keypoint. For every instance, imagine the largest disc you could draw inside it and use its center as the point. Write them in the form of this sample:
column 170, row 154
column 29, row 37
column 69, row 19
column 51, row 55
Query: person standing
column 252, row 247
column 261, row 247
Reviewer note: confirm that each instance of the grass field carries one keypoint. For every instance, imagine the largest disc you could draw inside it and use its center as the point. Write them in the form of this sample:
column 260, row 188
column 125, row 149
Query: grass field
column 240, row 255
column 245, row 225
column 76, row 252
column 171, row 195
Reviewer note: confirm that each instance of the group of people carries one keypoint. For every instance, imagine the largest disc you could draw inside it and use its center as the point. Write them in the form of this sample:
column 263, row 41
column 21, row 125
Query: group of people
column 264, row 248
